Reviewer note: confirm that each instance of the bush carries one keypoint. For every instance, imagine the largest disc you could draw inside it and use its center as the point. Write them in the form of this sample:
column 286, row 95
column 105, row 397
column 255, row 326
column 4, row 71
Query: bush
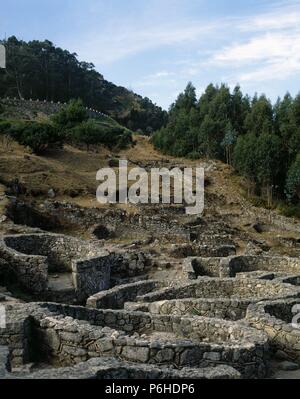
column 38, row 136
column 4, row 127
column 194, row 155
column 5, row 137
column 290, row 210
column 70, row 115
column 92, row 132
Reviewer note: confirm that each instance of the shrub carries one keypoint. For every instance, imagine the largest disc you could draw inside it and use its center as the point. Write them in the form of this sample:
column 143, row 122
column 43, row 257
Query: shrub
column 194, row 155
column 70, row 115
column 93, row 132
column 5, row 137
column 290, row 210
column 38, row 136
column 4, row 127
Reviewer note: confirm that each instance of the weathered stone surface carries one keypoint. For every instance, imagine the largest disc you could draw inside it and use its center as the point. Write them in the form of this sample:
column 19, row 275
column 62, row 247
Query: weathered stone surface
column 288, row 366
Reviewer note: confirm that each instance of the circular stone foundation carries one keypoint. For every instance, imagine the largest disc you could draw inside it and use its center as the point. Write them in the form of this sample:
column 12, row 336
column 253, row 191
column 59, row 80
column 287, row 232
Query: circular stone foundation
column 221, row 308
column 280, row 320
column 67, row 335
column 250, row 290
column 56, row 266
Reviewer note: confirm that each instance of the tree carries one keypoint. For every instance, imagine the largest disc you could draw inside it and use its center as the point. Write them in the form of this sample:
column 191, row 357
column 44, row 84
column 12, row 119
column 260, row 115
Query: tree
column 40, row 70
column 208, row 145
column 293, row 181
column 229, row 142
column 260, row 118
column 86, row 132
column 245, row 157
column 269, row 161
column 70, row 115
column 91, row 132
column 185, row 101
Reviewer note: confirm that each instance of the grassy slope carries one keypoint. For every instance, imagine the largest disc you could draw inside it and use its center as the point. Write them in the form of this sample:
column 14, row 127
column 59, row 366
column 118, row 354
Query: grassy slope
column 72, row 171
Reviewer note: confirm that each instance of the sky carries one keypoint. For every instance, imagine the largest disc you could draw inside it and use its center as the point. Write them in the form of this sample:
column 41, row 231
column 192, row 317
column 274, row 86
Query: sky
column 155, row 47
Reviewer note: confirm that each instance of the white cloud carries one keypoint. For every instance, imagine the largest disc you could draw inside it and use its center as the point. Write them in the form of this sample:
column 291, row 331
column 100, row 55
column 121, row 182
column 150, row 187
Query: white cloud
column 274, row 71
column 271, row 50
column 280, row 18
column 268, row 47
column 110, row 47
column 246, row 49
column 165, row 78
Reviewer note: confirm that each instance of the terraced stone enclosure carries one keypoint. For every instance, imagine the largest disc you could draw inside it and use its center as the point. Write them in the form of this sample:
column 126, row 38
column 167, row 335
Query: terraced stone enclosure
column 52, row 265
column 147, row 291
column 203, row 323
column 62, row 268
column 66, row 335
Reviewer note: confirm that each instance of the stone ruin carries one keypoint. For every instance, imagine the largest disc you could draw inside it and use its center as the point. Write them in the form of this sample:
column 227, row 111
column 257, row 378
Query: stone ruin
column 54, row 266
column 95, row 309
column 65, row 269
column 205, row 327
column 47, row 107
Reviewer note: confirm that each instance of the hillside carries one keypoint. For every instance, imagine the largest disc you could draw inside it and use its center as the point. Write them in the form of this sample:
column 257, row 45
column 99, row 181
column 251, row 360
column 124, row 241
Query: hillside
column 70, row 173
column 261, row 140
column 39, row 70
column 150, row 246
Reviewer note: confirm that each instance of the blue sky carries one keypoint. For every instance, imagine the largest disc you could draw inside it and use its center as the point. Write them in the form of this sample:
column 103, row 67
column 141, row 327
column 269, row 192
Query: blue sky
column 155, row 47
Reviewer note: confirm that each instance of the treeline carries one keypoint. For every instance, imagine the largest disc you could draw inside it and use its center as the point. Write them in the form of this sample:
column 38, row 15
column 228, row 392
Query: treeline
column 70, row 125
column 260, row 140
column 39, row 70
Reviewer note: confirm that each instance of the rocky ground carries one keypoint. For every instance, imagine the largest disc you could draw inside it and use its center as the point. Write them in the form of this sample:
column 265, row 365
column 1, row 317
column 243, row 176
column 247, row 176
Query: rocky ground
column 56, row 193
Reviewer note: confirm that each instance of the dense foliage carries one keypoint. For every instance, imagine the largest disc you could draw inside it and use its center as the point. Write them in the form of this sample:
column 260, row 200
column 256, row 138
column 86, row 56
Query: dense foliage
column 70, row 125
column 93, row 132
column 293, row 180
column 39, row 70
column 36, row 135
column 261, row 140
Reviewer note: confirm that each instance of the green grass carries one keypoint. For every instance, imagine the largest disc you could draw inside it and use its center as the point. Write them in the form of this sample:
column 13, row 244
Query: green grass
column 289, row 210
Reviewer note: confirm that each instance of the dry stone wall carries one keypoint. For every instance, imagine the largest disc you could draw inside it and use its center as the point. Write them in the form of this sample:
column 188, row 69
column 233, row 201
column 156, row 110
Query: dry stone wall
column 46, row 107
column 30, row 259
column 228, row 309
column 232, row 265
column 225, row 313
column 275, row 319
column 139, row 337
column 204, row 287
column 116, row 297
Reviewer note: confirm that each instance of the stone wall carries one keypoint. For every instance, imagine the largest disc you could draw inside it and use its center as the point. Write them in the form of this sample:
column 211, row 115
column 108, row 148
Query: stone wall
column 197, row 250
column 91, row 275
column 129, row 263
column 116, row 297
column 16, row 336
column 228, row 309
column 30, row 258
column 204, row 287
column 31, row 273
column 275, row 319
column 67, row 335
column 195, row 266
column 60, row 250
column 231, row 265
column 267, row 263
column 46, row 107
column 4, row 362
